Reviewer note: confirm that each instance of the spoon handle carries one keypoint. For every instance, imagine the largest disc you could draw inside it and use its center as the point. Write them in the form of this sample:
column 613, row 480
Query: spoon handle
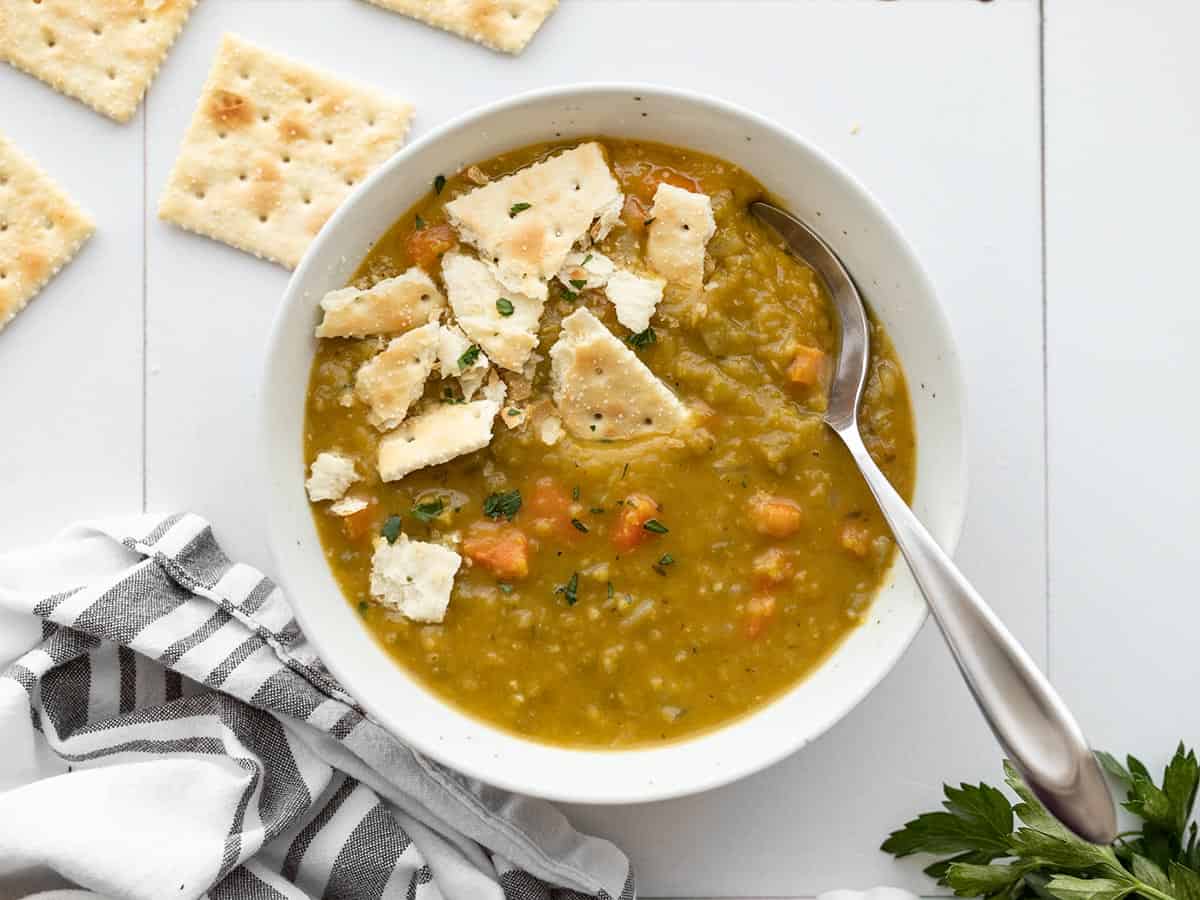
column 1029, row 719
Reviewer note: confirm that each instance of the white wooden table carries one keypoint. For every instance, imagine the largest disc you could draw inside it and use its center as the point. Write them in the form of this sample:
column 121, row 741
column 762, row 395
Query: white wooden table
column 1044, row 170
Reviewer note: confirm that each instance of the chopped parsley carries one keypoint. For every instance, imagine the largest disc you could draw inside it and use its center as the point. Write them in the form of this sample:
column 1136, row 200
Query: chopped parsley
column 518, row 208
column 643, row 338
column 363, row 606
column 596, row 510
column 585, row 260
column 503, row 505
column 575, row 493
column 469, row 356
column 418, row 223
column 655, row 526
column 391, row 529
column 649, row 222
column 579, row 526
column 579, row 283
column 448, row 397
column 429, row 510
column 666, row 560
column 610, row 590
column 439, row 183
column 625, row 471
column 570, row 590
column 504, row 306
column 567, row 293
column 514, row 412
column 505, row 587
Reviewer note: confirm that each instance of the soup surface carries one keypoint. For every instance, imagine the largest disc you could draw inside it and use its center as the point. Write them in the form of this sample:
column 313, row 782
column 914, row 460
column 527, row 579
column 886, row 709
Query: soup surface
column 616, row 593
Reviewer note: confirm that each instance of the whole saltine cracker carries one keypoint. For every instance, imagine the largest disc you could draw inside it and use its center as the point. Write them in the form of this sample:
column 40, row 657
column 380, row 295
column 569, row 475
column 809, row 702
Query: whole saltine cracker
column 506, row 25
column 40, row 230
column 103, row 52
column 273, row 149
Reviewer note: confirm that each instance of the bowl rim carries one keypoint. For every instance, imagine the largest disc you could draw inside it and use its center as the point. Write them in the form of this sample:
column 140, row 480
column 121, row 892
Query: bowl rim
column 586, row 793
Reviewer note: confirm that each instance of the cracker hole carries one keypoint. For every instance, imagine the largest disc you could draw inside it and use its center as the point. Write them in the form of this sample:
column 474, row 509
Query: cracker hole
column 245, row 76
column 3, row 275
column 307, row 200
column 49, row 224
column 3, row 227
column 423, row 296
column 515, row 13
column 687, row 227
column 221, row 135
column 329, row 140
column 308, row 99
column 142, row 20
column 597, row 416
column 199, row 195
column 262, row 219
column 648, row 421
column 349, row 182
column 242, row 176
column 266, row 117
column 112, row 74
column 97, row 30
column 286, row 159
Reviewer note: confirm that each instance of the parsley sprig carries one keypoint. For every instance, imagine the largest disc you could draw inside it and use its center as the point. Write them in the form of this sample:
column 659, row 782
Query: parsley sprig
column 991, row 856
column 502, row 505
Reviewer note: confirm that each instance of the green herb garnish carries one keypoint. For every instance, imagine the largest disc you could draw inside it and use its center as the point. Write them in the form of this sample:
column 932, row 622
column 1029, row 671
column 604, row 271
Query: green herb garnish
column 610, row 591
column 469, row 356
column 517, row 208
column 448, row 397
column 363, row 606
column 666, row 560
column 418, row 223
column 391, row 529
column 438, row 183
column 586, row 259
column 503, row 505
column 579, row 283
column 506, row 588
column 579, row 526
column 655, row 526
column 575, row 493
column 625, row 471
column 567, row 293
column 514, row 412
column 570, row 590
column 648, row 222
column 504, row 306
column 596, row 510
column 429, row 510
column 643, row 338
column 992, row 856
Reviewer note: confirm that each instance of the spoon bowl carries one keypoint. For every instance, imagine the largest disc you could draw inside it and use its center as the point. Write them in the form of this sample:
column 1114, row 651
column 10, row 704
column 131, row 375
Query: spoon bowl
column 1029, row 719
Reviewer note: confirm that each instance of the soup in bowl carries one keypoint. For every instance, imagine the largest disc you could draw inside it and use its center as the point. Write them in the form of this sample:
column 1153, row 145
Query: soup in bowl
column 581, row 529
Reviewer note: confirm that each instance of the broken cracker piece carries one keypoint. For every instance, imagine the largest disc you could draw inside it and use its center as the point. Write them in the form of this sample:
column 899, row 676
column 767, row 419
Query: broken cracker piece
column 525, row 224
column 102, row 52
column 437, row 435
column 41, row 229
column 475, row 296
column 414, row 578
column 273, row 149
column 332, row 475
column 602, row 390
column 394, row 379
column 681, row 225
column 506, row 26
column 387, row 307
column 635, row 298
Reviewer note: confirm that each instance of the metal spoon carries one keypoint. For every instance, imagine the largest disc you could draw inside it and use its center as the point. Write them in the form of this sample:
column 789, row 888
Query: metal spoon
column 1029, row 719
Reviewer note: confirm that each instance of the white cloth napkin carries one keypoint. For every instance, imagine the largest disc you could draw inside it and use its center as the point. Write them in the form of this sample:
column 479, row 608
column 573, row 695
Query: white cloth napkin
column 169, row 732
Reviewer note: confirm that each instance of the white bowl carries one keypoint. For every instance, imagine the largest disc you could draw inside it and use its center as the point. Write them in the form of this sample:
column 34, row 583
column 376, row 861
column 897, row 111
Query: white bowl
column 809, row 184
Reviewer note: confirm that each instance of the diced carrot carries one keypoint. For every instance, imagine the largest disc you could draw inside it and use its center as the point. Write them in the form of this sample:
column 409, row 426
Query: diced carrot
column 772, row 567
column 426, row 245
column 777, row 517
column 760, row 610
column 358, row 525
column 501, row 549
column 629, row 532
column 646, row 185
column 855, row 537
column 807, row 367
column 549, row 510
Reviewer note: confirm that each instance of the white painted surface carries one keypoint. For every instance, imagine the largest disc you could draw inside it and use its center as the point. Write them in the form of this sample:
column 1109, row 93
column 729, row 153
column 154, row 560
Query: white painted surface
column 936, row 107
column 1123, row 325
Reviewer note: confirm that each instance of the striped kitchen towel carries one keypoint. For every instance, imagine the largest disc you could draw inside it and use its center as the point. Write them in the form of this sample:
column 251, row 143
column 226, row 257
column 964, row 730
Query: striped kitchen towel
column 169, row 732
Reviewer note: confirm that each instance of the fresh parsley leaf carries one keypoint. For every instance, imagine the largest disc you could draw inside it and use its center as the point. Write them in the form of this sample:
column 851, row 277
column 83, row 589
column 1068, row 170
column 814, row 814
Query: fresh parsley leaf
column 429, row 510
column 625, row 471
column 575, row 493
column 391, row 529
column 503, row 505
column 610, row 591
column 977, row 818
column 643, row 338
column 579, row 283
column 438, row 183
column 363, row 606
column 596, row 510
column 469, row 356
column 586, row 259
column 666, row 560
column 506, row 588
column 504, row 306
column 418, row 224
column 655, row 526
column 1068, row 887
column 648, row 222
column 518, row 208
column 567, row 293
column 570, row 590
column 513, row 412
column 579, row 526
